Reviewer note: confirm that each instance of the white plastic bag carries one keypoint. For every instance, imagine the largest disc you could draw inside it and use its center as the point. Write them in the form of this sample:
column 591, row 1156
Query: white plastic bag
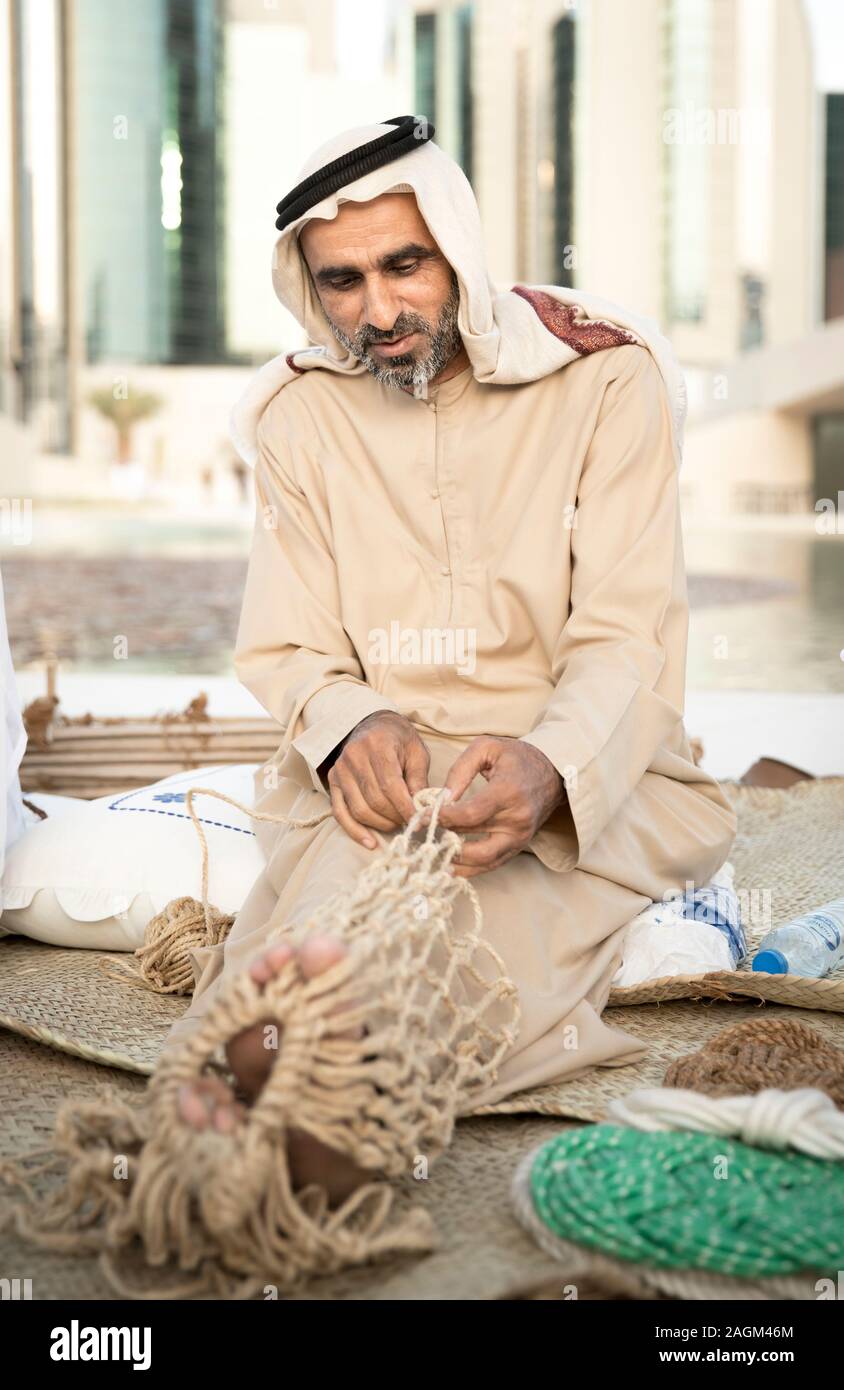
column 662, row 942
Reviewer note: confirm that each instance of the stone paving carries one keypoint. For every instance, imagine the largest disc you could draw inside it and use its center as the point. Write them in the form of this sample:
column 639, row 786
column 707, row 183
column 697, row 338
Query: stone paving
column 180, row 614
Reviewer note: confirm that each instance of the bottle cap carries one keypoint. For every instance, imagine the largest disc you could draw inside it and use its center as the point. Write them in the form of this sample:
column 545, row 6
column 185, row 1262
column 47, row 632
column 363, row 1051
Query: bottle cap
column 772, row 962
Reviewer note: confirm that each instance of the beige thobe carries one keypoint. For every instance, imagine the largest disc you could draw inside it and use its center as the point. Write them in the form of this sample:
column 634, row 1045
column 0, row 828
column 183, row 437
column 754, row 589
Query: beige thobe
column 501, row 560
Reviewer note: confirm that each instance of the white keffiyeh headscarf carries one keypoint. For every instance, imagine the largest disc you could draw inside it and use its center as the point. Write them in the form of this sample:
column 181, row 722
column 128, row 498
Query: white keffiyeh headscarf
column 512, row 336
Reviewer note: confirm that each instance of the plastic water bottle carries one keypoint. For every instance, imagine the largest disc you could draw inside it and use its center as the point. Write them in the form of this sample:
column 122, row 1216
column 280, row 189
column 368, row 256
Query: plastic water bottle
column 811, row 945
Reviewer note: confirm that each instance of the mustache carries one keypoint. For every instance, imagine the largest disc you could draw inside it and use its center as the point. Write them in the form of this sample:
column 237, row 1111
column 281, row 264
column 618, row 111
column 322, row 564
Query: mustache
column 376, row 335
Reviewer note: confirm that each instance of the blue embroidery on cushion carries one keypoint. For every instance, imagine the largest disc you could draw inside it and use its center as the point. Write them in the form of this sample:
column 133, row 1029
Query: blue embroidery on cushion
column 172, row 796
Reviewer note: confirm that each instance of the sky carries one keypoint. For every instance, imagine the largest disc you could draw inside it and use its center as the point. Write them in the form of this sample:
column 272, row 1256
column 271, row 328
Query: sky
column 826, row 20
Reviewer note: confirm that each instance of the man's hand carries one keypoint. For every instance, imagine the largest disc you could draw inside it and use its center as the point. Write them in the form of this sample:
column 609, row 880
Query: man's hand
column 524, row 788
column 381, row 765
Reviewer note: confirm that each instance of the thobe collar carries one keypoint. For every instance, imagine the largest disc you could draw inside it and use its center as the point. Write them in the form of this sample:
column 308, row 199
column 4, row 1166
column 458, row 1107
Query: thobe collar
column 445, row 393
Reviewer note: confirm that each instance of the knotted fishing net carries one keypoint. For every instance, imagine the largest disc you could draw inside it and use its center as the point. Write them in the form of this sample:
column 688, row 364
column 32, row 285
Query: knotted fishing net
column 376, row 1058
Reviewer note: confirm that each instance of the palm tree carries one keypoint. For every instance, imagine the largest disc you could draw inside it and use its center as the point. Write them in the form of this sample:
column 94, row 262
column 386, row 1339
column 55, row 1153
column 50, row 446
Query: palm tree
column 124, row 412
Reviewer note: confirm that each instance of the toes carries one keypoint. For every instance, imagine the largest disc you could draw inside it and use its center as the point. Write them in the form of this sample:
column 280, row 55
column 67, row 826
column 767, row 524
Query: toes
column 228, row 1117
column 216, row 1090
column 200, row 1101
column 268, row 965
column 317, row 953
column 192, row 1108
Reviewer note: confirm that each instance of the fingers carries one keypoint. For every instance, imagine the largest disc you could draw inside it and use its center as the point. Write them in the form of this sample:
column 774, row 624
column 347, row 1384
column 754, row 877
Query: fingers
column 460, row 872
column 478, row 812
column 373, row 788
column 357, row 832
column 463, row 868
column 366, row 797
column 417, row 763
column 373, row 781
column 480, row 755
column 396, row 790
column 361, row 772
column 483, row 854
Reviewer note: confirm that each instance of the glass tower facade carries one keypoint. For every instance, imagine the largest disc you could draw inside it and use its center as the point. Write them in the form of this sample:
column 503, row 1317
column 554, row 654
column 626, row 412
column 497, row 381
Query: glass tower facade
column 8, row 392
column 450, row 31
column 828, row 426
column 148, row 190
column 425, row 65
column 465, row 102
column 687, row 56
column 34, row 297
column 564, row 76
column 834, row 208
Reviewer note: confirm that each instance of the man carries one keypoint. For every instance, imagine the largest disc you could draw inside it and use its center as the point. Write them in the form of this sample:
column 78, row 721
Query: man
column 467, row 571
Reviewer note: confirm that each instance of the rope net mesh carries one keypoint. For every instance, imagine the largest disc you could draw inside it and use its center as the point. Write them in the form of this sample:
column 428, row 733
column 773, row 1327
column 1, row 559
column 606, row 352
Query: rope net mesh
column 376, row 1058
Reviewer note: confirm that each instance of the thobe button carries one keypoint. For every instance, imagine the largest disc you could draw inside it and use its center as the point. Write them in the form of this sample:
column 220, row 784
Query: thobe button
column 445, row 571
column 435, row 493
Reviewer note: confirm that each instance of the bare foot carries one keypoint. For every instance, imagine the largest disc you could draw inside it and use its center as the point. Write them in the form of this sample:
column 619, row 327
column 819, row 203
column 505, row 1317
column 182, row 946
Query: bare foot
column 210, row 1102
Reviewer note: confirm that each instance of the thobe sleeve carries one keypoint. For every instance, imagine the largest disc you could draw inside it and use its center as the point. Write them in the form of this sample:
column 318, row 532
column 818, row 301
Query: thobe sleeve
column 605, row 721
column 292, row 650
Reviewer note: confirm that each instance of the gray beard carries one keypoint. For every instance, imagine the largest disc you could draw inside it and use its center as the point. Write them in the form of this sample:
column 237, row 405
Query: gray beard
column 400, row 372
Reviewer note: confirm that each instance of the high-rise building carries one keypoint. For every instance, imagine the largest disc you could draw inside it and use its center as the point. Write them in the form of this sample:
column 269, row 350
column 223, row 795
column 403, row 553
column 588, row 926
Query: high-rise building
column 627, row 149
column 425, row 63
column 833, row 240
column 8, row 218
column 112, row 197
column 666, row 155
column 672, row 155
column 147, row 119
column 336, row 74
column 34, row 251
column 828, row 425
column 563, row 100
column 443, row 74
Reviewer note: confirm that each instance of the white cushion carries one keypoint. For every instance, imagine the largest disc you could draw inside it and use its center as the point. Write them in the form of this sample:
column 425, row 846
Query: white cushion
column 95, row 872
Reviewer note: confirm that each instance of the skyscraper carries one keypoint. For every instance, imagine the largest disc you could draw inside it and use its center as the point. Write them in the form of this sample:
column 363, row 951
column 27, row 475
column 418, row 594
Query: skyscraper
column 148, row 181
column 34, row 277
column 833, row 247
column 443, row 87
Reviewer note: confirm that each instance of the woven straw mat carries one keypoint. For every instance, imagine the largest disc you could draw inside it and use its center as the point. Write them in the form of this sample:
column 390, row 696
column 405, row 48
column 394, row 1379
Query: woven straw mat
column 788, row 847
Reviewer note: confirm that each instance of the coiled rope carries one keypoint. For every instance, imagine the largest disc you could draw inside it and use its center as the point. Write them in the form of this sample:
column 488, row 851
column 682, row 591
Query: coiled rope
column 686, row 1201
column 706, row 1212
column 163, row 963
column 762, row 1052
column 805, row 1120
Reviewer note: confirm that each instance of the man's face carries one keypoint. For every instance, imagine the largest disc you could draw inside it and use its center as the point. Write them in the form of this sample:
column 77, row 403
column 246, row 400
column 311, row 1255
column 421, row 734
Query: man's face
column 380, row 276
